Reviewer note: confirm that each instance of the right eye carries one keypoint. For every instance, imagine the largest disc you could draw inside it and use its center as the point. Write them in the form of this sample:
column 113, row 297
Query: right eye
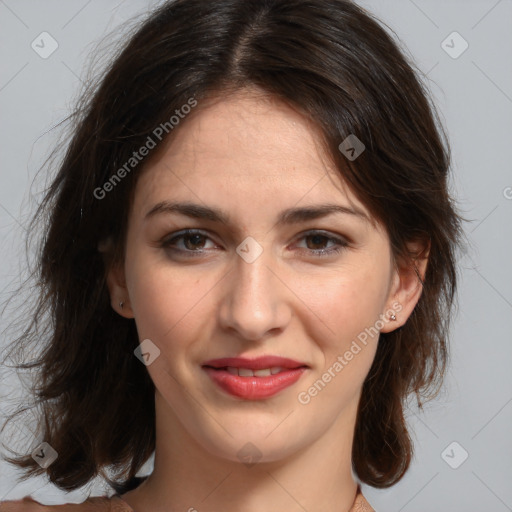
column 190, row 239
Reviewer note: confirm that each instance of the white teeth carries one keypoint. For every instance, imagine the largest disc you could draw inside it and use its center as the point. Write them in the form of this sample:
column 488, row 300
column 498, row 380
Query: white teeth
column 247, row 372
column 262, row 373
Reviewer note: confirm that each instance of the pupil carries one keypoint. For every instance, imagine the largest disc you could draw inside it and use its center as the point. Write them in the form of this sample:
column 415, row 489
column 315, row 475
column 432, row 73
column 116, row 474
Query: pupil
column 316, row 237
column 194, row 240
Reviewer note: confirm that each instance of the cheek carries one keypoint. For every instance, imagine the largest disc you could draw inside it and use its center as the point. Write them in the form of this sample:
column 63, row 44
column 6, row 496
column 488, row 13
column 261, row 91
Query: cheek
column 347, row 300
column 348, row 305
column 168, row 302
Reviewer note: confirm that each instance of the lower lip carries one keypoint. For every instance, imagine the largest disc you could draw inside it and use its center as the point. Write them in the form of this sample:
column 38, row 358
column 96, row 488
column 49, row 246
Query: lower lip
column 254, row 388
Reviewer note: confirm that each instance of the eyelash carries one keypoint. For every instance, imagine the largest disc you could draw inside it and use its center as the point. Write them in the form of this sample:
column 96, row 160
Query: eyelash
column 167, row 243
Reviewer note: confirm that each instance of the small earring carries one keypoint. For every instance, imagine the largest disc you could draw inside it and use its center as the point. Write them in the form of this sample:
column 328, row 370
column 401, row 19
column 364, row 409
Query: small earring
column 392, row 317
column 121, row 304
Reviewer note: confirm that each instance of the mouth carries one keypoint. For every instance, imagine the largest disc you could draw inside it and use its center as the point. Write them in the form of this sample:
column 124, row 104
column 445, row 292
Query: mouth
column 254, row 379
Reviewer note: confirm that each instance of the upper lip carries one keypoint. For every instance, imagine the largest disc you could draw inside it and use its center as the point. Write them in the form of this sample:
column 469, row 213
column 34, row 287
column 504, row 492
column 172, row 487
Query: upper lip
column 258, row 363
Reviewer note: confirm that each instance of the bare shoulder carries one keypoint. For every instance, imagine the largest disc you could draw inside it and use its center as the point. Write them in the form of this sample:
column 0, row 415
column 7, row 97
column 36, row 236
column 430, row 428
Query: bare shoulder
column 24, row 505
column 27, row 504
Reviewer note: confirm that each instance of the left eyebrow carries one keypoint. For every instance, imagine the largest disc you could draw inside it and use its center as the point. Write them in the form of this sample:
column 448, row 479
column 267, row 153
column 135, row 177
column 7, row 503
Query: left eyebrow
column 286, row 217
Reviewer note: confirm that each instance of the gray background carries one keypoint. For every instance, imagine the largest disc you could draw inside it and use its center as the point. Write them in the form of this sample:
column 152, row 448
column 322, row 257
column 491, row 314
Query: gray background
column 473, row 93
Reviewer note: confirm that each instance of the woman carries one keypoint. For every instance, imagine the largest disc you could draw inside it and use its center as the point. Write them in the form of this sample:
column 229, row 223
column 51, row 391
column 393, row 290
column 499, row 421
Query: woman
column 248, row 265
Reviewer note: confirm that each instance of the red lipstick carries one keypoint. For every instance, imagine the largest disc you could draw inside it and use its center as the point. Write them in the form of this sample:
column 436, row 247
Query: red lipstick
column 254, row 379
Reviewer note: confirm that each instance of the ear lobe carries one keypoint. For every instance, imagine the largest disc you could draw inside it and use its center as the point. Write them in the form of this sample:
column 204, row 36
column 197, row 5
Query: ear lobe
column 407, row 285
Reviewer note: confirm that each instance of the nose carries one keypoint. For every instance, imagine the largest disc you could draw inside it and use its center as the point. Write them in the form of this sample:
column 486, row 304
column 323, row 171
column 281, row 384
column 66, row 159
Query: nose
column 255, row 303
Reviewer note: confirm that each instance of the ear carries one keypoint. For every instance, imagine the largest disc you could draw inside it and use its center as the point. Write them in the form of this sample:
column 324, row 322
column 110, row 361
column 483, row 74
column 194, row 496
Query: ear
column 407, row 285
column 116, row 282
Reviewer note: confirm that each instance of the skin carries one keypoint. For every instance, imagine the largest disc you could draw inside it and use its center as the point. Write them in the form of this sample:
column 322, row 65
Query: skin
column 253, row 156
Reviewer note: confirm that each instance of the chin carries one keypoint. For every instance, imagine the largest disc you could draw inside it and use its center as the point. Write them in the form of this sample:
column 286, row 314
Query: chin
column 252, row 445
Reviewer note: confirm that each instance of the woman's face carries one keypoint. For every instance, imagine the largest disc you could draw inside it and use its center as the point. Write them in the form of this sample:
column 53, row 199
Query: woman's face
column 268, row 280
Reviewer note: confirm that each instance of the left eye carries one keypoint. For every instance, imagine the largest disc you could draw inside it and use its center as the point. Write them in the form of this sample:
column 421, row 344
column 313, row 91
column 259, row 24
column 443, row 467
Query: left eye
column 320, row 239
column 194, row 243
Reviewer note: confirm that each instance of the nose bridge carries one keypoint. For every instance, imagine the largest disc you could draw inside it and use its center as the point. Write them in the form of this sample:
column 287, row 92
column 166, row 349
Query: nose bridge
column 253, row 303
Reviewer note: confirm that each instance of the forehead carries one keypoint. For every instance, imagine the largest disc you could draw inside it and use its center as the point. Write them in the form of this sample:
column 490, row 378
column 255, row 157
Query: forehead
column 248, row 142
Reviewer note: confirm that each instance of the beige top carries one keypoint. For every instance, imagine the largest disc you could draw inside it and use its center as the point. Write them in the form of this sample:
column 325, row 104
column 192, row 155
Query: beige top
column 116, row 504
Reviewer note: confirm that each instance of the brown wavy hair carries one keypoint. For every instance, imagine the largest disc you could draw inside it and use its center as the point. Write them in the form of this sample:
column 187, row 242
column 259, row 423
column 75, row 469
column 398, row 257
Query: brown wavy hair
column 330, row 60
